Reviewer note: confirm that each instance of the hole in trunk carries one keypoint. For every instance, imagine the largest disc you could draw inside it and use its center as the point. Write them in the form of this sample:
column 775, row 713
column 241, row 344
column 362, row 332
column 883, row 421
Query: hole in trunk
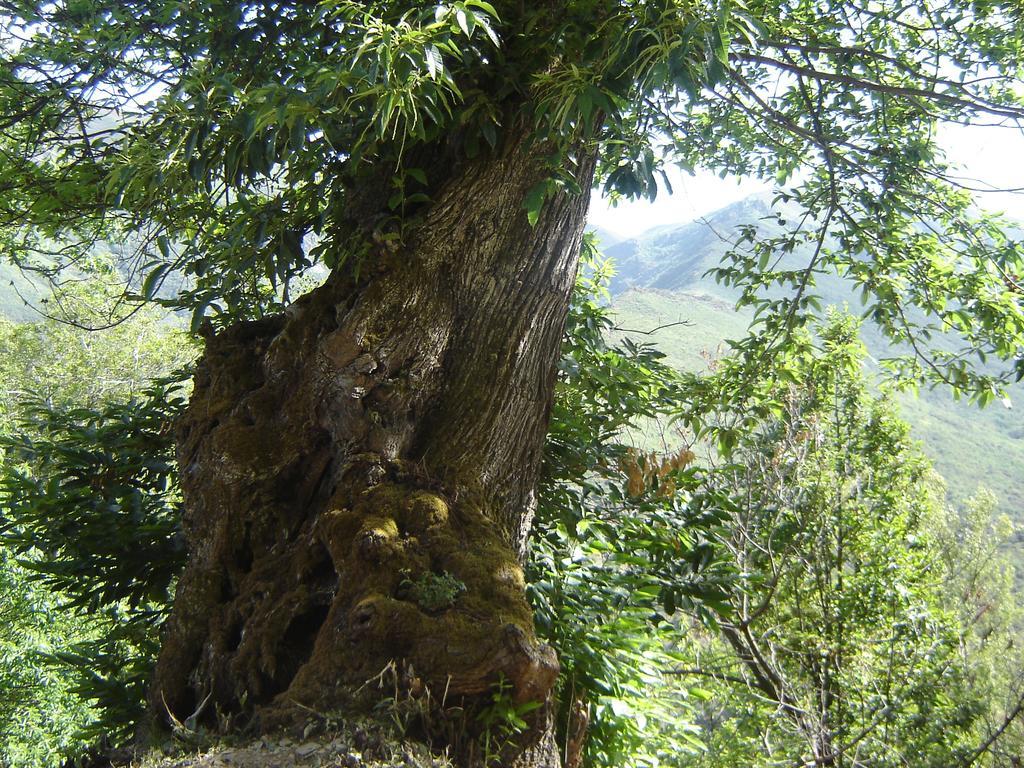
column 243, row 554
column 234, row 636
column 324, row 575
column 297, row 644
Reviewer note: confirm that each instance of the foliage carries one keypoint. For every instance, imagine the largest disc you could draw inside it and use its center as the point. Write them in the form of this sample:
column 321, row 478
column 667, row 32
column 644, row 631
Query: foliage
column 92, row 506
column 612, row 560
column 86, row 485
column 239, row 144
column 980, row 589
column 75, row 478
column 39, row 711
column 965, row 443
column 502, row 719
column 843, row 645
column 56, row 361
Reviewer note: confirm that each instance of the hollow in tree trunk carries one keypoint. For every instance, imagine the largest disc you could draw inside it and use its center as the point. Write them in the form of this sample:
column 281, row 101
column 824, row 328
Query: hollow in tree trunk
column 358, row 473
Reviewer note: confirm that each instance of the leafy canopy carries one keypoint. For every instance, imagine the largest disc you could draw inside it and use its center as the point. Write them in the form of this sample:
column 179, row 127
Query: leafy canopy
column 240, row 143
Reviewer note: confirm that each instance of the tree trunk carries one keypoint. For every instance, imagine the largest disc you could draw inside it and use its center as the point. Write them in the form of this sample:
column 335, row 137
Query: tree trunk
column 358, row 475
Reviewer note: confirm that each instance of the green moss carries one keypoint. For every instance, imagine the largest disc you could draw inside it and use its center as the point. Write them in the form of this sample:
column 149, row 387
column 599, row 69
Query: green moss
column 423, row 579
column 425, row 510
column 432, row 592
column 386, row 499
column 384, row 527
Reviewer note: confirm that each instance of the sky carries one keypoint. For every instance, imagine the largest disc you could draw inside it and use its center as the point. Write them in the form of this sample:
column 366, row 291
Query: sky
column 992, row 155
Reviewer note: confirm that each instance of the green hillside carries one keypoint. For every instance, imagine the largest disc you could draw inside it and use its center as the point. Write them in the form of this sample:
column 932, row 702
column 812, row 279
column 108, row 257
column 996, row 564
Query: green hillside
column 660, row 281
column 15, row 290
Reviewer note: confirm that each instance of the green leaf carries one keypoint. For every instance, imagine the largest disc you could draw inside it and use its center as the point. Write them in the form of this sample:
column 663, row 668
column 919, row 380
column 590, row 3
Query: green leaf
column 484, row 6
column 435, row 64
column 297, row 136
column 164, row 245
column 152, row 282
column 535, row 200
column 463, row 19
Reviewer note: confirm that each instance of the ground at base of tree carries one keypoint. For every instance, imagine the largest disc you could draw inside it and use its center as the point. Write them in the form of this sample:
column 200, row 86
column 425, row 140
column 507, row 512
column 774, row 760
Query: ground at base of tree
column 352, row 748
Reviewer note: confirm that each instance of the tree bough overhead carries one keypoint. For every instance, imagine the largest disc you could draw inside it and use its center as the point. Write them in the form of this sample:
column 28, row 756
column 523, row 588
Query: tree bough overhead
column 386, row 429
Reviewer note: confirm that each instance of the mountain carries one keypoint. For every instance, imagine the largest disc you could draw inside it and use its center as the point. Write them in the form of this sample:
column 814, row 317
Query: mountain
column 676, row 257
column 605, row 237
column 660, row 280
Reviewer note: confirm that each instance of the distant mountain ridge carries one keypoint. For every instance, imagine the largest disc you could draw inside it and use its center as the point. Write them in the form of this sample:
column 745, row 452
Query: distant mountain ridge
column 675, row 257
column 660, row 278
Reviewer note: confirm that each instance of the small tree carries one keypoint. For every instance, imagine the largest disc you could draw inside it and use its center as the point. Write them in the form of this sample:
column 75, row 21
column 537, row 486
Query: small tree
column 844, row 645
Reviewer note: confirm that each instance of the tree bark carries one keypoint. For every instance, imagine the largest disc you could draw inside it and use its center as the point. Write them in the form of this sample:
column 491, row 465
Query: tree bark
column 358, row 474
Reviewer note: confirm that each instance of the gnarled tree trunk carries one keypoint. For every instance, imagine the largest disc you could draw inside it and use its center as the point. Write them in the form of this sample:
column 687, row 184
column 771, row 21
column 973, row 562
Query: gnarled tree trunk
column 358, row 473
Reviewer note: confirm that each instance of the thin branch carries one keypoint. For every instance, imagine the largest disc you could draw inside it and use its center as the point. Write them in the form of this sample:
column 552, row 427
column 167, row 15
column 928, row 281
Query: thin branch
column 987, row 744
column 972, row 104
column 653, row 330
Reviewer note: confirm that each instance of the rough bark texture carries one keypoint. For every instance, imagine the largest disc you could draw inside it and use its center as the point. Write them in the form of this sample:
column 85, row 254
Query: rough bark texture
column 358, row 473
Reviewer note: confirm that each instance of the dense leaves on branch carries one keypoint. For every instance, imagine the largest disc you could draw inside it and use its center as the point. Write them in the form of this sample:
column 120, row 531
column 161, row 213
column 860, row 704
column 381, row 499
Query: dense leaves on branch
column 616, row 547
column 241, row 143
column 84, row 479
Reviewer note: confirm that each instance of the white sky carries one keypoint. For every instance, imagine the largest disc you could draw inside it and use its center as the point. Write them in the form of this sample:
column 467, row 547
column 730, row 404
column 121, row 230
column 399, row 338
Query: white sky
column 993, row 155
